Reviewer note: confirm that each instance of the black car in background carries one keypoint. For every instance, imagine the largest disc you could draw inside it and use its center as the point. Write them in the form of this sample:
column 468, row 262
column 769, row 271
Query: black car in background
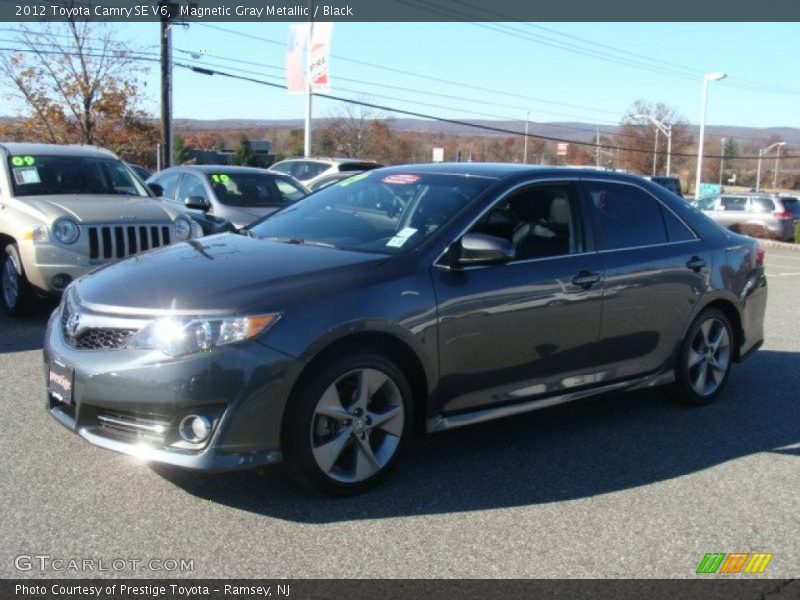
column 442, row 295
column 239, row 195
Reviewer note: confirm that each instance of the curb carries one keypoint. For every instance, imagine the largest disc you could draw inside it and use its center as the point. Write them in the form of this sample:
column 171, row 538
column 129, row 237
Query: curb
column 765, row 243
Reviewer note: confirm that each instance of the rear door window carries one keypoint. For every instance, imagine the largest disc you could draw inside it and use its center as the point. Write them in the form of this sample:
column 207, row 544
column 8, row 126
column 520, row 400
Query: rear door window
column 733, row 203
column 762, row 205
column 627, row 216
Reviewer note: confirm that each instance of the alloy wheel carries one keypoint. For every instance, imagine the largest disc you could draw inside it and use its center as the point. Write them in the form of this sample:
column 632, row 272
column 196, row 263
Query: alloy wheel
column 709, row 357
column 357, row 425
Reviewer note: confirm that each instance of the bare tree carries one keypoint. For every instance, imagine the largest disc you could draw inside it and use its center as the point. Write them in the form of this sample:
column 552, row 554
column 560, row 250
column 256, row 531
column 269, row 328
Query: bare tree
column 637, row 138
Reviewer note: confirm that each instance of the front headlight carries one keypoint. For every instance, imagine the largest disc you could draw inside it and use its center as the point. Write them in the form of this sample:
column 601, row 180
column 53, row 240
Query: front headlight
column 183, row 228
column 176, row 336
column 66, row 231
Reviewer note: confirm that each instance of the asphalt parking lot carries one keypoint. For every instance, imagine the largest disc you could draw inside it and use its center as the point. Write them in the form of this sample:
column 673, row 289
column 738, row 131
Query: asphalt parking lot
column 621, row 486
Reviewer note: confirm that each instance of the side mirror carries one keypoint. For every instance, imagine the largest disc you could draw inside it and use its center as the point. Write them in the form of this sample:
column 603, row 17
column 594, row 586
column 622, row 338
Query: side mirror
column 482, row 249
column 156, row 189
column 197, row 203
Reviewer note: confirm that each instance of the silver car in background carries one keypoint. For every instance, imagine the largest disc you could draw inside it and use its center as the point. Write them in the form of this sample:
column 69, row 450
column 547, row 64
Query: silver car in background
column 762, row 215
column 240, row 195
column 309, row 170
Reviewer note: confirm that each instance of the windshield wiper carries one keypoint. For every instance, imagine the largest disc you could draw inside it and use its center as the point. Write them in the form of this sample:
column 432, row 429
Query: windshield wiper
column 298, row 241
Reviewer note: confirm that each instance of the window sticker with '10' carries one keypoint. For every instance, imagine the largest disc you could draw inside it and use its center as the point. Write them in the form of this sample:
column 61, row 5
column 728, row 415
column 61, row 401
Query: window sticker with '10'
column 220, row 178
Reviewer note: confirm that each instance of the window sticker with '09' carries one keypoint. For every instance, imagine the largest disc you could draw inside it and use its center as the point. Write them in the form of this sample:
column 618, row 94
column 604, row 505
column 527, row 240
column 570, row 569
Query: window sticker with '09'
column 26, row 175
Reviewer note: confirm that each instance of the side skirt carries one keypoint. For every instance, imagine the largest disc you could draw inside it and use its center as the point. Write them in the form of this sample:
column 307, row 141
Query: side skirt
column 443, row 422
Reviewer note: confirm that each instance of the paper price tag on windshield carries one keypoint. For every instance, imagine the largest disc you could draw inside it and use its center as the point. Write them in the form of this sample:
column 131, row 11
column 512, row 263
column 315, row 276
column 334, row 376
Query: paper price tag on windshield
column 27, row 175
column 401, row 237
column 400, row 179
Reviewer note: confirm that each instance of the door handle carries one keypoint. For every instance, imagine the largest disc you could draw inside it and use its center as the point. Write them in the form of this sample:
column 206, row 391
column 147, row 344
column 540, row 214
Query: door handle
column 696, row 263
column 586, row 279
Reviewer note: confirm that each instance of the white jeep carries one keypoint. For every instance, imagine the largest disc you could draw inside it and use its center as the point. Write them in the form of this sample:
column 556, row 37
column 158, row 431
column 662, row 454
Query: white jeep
column 65, row 210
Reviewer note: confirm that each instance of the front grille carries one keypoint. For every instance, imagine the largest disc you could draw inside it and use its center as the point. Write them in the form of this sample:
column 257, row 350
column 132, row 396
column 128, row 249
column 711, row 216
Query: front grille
column 108, row 242
column 134, row 426
column 95, row 338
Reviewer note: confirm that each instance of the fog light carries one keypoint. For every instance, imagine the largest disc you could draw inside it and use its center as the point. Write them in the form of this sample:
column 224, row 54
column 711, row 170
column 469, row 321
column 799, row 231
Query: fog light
column 195, row 428
column 60, row 281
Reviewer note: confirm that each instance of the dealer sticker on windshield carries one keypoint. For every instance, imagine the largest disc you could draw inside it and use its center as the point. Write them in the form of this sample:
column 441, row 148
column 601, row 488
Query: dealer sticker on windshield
column 27, row 175
column 400, row 179
column 401, row 237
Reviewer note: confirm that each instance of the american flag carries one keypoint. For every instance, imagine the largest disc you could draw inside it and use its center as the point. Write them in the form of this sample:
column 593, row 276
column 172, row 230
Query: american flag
column 295, row 67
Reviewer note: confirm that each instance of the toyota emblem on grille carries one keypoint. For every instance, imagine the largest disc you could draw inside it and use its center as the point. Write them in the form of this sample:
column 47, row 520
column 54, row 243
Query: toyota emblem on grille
column 73, row 324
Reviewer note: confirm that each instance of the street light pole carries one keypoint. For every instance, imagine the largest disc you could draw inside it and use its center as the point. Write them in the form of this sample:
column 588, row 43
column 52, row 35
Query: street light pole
column 706, row 78
column 655, row 153
column 666, row 130
column 721, row 160
column 761, row 153
column 777, row 163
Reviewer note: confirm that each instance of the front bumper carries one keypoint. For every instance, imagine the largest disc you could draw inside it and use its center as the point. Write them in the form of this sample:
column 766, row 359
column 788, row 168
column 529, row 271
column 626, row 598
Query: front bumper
column 42, row 261
column 243, row 386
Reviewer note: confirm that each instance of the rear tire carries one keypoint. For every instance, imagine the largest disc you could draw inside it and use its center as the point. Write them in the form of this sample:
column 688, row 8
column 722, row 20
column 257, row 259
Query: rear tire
column 705, row 359
column 346, row 425
column 16, row 293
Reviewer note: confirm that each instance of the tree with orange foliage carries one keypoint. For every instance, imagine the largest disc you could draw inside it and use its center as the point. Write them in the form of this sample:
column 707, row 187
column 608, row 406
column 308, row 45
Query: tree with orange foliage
column 81, row 86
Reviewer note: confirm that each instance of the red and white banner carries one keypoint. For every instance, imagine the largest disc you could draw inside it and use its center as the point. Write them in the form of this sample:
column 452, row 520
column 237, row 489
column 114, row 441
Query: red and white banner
column 295, row 63
column 320, row 56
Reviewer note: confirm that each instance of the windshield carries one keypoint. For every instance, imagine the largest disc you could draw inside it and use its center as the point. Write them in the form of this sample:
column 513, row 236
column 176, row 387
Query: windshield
column 255, row 190
column 374, row 212
column 51, row 175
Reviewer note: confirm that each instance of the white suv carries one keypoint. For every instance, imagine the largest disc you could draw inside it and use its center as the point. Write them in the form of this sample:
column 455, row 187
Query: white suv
column 65, row 210
column 308, row 170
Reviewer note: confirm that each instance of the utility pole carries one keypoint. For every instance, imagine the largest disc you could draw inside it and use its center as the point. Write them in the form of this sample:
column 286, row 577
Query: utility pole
column 597, row 146
column 525, row 142
column 166, row 83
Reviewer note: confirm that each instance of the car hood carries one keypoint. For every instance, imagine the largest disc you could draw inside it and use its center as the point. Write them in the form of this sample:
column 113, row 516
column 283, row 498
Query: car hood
column 225, row 273
column 99, row 208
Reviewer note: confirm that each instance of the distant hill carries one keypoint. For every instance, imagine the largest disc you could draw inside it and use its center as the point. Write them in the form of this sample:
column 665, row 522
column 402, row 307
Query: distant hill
column 567, row 129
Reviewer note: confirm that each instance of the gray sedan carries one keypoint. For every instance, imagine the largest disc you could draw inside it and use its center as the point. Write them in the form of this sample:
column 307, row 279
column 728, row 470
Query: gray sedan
column 240, row 195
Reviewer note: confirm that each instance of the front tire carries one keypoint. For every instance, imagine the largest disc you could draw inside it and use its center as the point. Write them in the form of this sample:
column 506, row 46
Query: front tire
column 705, row 360
column 347, row 424
column 15, row 291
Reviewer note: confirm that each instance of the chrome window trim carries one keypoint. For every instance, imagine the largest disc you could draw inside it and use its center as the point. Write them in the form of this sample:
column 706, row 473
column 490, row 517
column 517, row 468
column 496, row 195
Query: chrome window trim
column 562, row 179
column 438, row 264
column 657, row 199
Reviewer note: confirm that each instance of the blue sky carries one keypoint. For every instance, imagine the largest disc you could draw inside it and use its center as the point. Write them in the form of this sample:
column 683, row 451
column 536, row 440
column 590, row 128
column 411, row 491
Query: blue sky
column 516, row 71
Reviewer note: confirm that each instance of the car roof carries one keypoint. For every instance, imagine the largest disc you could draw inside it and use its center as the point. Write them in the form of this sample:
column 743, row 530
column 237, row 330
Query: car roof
column 502, row 170
column 330, row 159
column 17, row 148
column 219, row 168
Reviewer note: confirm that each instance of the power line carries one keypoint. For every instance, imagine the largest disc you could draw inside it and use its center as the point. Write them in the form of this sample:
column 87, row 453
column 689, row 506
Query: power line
column 416, row 75
column 205, row 71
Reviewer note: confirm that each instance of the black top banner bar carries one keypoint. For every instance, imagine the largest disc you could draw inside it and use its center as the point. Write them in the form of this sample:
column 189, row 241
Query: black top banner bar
column 399, row 10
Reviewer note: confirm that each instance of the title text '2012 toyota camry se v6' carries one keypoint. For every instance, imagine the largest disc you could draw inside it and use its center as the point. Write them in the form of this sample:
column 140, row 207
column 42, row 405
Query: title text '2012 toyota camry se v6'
column 440, row 295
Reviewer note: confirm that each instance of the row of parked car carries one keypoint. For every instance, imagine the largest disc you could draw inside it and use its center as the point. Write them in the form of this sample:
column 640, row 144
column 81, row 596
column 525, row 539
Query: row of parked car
column 65, row 210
